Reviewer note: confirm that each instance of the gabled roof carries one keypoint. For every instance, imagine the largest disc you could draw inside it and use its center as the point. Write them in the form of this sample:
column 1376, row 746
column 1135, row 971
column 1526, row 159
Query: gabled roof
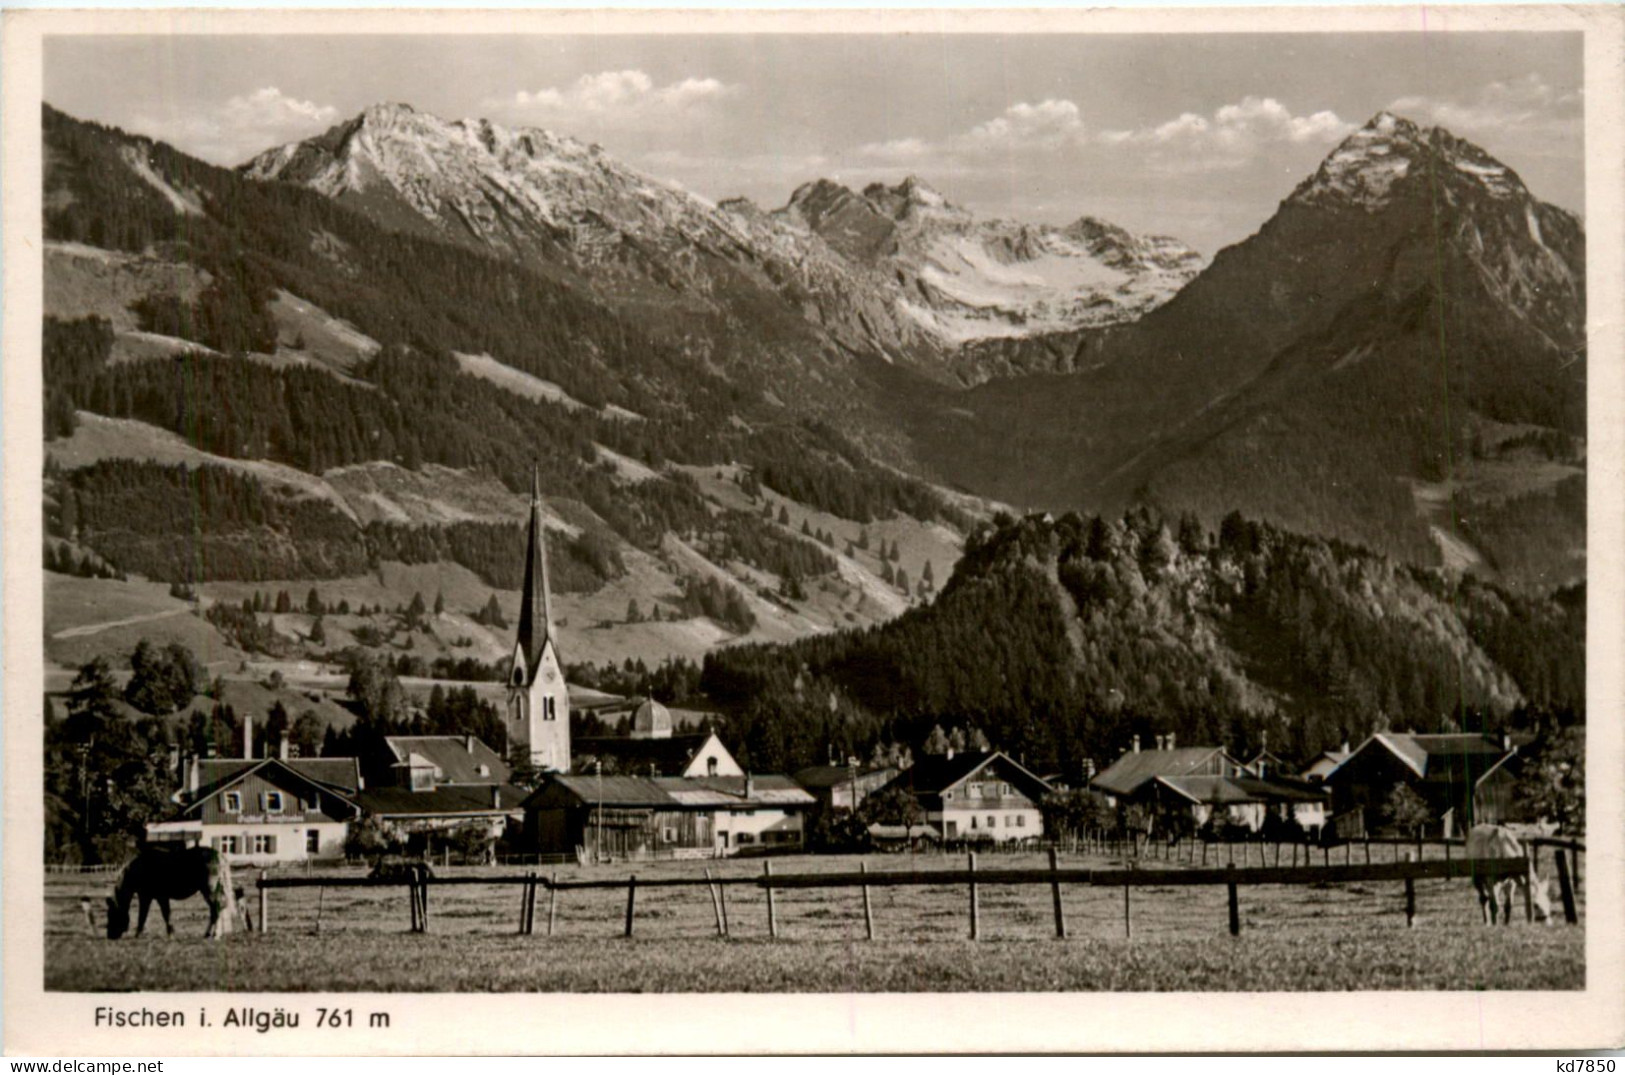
column 1128, row 773
column 830, row 776
column 290, row 773
column 458, row 757
column 453, row 799
column 341, row 774
column 936, row 773
column 1438, row 756
column 767, row 790
column 669, row 756
column 1227, row 790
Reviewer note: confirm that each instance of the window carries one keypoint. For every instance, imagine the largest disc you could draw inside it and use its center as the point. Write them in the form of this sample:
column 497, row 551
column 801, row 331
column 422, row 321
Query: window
column 549, row 709
column 745, row 838
column 226, row 845
column 1021, row 821
column 973, row 821
column 273, row 802
column 232, row 802
column 947, row 795
column 710, row 767
column 264, row 844
column 973, row 791
column 953, row 827
column 668, row 834
column 313, row 842
column 1004, row 789
column 992, row 822
column 485, row 770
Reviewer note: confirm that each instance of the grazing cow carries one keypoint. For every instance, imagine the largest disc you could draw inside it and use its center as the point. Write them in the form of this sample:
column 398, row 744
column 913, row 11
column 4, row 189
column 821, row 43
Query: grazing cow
column 164, row 874
column 1498, row 841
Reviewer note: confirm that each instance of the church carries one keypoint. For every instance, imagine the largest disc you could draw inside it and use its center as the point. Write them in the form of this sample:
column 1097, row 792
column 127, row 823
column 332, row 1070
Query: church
column 538, row 700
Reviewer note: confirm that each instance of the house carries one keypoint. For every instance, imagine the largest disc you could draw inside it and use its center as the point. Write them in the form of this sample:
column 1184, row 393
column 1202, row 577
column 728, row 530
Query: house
column 265, row 811
column 644, row 816
column 426, row 761
column 1128, row 777
column 424, row 816
column 653, row 749
column 1322, row 766
column 1465, row 779
column 843, row 787
column 975, row 795
column 440, row 783
column 1246, row 800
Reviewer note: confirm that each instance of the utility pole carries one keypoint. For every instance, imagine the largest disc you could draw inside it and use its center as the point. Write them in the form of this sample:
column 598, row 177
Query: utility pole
column 598, row 827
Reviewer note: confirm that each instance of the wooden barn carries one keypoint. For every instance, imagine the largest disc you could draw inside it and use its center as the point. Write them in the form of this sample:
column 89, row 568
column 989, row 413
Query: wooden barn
column 1465, row 779
column 644, row 817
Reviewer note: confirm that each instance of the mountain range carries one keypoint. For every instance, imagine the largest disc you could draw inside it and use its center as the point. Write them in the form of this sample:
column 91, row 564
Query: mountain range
column 369, row 338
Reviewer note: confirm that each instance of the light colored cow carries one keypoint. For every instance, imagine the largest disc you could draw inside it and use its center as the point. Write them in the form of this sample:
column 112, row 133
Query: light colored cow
column 1498, row 841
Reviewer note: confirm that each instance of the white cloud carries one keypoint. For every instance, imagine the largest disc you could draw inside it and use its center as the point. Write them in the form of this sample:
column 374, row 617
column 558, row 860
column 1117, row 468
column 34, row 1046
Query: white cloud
column 242, row 125
column 1233, row 136
column 614, row 98
column 1525, row 104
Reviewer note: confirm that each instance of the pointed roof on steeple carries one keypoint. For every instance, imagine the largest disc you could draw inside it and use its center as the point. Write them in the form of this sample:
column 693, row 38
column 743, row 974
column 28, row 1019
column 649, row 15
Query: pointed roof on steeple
column 536, row 599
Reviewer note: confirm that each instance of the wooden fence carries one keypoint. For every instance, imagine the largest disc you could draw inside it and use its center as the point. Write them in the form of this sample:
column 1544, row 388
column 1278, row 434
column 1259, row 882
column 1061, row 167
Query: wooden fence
column 1408, row 871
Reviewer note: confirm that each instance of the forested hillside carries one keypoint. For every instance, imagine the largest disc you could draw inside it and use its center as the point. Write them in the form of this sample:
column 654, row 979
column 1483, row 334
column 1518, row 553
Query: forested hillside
column 1059, row 640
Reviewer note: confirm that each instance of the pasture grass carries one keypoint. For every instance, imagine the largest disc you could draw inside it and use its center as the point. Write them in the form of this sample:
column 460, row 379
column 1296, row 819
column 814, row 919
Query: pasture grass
column 1294, row 938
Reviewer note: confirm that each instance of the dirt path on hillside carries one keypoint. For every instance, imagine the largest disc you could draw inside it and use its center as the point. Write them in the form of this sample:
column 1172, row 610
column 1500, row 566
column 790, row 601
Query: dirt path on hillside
column 97, row 628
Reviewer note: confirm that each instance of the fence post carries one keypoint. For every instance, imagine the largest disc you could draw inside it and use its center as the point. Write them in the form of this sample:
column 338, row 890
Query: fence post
column 975, row 911
column 321, row 898
column 722, row 904
column 1368, row 850
column 1055, row 894
column 1565, row 887
column 1410, row 897
column 1576, row 849
column 772, row 910
column 1235, row 904
column 716, row 908
column 1128, row 922
column 631, row 897
column 868, row 911
column 265, row 903
column 1528, row 889
column 552, row 900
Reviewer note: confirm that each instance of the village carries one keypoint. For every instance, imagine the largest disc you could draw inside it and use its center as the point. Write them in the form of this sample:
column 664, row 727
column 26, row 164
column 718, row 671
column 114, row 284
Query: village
column 665, row 791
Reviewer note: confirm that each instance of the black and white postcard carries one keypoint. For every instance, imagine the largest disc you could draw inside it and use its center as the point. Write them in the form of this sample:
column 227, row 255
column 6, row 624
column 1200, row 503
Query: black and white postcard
column 861, row 517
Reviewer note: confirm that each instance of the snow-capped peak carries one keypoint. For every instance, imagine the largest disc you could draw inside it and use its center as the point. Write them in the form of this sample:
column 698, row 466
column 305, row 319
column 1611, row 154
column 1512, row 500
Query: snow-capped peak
column 1366, row 168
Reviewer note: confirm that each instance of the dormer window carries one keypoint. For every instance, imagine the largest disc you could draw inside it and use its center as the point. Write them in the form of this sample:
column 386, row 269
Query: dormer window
column 485, row 770
column 232, row 802
column 710, row 767
column 273, row 802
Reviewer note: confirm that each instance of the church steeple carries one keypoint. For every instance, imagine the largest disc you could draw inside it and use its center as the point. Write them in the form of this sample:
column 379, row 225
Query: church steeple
column 538, row 699
column 536, row 599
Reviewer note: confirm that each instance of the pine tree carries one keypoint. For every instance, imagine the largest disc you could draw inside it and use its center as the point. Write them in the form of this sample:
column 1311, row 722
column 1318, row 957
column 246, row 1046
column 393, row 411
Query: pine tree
column 784, row 516
column 440, row 603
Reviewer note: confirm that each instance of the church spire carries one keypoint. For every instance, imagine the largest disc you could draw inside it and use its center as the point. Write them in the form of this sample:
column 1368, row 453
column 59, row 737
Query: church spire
column 536, row 600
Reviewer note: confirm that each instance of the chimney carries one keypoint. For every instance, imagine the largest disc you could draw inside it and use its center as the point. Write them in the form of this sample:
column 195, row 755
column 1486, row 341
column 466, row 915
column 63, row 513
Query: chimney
column 1136, row 744
column 1506, row 741
column 248, row 735
column 469, row 743
column 1170, row 740
column 282, row 746
column 1345, row 749
column 496, row 796
column 950, row 754
column 750, row 786
column 189, row 774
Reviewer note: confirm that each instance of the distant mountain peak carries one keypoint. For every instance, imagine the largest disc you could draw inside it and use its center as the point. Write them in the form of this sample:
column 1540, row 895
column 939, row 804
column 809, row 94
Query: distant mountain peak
column 1391, row 153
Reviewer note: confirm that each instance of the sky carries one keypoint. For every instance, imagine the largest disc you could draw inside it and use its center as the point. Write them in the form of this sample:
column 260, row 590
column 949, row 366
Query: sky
column 1194, row 135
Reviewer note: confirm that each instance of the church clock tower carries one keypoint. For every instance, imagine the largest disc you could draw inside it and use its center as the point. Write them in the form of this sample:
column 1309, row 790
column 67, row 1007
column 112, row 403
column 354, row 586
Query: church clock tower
column 538, row 701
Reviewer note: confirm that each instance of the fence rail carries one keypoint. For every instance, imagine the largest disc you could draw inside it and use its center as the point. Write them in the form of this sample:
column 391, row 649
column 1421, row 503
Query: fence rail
column 1409, row 872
